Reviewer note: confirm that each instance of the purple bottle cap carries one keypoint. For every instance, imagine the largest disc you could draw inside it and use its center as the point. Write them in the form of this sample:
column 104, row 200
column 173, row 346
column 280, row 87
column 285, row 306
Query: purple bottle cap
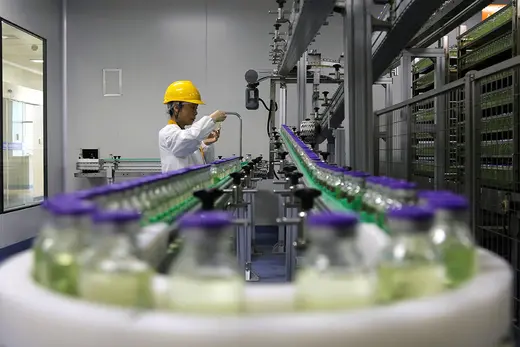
column 335, row 220
column 411, row 213
column 207, row 219
column 358, row 174
column 428, row 194
column 373, row 179
column 70, row 207
column 116, row 216
column 449, row 203
column 402, row 185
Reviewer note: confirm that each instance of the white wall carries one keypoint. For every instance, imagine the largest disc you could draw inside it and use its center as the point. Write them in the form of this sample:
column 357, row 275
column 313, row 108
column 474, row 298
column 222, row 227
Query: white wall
column 43, row 17
column 156, row 42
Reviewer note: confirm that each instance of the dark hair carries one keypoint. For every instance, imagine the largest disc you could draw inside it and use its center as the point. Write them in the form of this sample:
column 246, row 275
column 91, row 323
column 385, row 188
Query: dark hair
column 170, row 108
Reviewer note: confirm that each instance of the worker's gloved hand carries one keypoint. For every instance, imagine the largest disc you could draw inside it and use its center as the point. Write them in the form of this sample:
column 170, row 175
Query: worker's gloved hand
column 218, row 116
column 212, row 137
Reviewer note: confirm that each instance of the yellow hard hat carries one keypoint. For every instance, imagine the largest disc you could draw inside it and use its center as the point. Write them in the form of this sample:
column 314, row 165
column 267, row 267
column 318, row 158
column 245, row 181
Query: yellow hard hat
column 183, row 91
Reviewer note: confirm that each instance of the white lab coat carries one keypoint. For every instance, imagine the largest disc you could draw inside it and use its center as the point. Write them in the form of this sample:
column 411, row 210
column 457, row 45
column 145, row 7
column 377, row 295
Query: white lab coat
column 180, row 148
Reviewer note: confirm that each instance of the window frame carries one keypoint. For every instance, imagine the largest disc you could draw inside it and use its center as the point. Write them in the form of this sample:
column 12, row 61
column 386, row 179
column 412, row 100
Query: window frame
column 45, row 148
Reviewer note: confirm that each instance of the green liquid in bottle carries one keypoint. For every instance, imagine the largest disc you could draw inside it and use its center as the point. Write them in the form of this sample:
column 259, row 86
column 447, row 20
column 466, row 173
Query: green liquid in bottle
column 120, row 289
column 410, row 281
column 460, row 261
column 62, row 273
column 334, row 292
column 39, row 271
column 207, row 296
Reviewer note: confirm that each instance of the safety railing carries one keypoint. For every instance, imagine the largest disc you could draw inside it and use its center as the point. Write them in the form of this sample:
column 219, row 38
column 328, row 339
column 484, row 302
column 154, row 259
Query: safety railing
column 464, row 136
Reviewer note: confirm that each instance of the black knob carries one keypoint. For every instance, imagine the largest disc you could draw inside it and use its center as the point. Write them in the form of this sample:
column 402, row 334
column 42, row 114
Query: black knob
column 293, row 129
column 307, row 196
column 288, row 169
column 241, row 157
column 280, row 3
column 283, row 155
column 208, row 197
column 237, row 177
column 325, row 155
column 273, row 128
column 316, row 109
column 220, row 157
column 298, row 133
column 336, row 67
column 325, row 94
column 294, row 177
column 277, row 26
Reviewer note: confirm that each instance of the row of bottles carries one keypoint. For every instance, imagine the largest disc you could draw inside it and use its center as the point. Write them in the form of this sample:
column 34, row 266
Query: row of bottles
column 160, row 197
column 89, row 253
column 431, row 251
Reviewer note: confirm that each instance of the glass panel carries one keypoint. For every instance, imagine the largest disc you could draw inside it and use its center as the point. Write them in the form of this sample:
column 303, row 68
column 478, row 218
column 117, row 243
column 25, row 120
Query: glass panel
column 23, row 117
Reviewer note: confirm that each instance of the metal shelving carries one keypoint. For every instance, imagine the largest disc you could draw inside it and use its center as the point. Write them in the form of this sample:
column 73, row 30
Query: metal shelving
column 309, row 19
column 487, row 43
column 440, row 17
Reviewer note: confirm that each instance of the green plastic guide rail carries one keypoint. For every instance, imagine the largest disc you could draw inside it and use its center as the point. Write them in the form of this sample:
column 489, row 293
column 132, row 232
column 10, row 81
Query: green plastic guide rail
column 143, row 160
column 329, row 198
column 178, row 210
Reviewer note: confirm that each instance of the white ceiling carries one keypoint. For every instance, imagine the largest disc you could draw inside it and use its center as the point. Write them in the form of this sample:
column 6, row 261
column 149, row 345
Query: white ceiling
column 19, row 49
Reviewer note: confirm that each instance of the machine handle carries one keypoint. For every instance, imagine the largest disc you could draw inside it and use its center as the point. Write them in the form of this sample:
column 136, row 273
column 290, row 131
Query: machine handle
column 294, row 177
column 307, row 196
column 237, row 177
column 208, row 197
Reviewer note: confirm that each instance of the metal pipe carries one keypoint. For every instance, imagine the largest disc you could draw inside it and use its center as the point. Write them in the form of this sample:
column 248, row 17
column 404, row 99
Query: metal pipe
column 282, row 119
column 240, row 130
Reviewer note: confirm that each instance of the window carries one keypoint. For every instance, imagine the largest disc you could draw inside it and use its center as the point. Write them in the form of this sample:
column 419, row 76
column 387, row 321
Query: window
column 23, row 118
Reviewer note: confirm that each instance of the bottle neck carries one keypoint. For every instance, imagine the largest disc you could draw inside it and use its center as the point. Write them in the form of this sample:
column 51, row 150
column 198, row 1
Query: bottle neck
column 206, row 248
column 408, row 228
column 110, row 240
column 447, row 216
column 330, row 250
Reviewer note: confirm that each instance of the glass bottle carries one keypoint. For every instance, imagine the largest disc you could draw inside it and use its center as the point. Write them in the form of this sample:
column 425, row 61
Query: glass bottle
column 334, row 275
column 43, row 241
column 411, row 266
column 206, row 278
column 110, row 271
column 71, row 221
column 451, row 233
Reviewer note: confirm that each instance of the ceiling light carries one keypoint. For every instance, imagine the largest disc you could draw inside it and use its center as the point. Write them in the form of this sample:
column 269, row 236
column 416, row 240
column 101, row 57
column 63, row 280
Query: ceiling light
column 37, row 60
column 4, row 37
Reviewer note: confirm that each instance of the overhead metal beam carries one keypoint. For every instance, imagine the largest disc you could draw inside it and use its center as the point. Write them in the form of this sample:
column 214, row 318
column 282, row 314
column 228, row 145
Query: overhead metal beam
column 446, row 19
column 408, row 23
column 312, row 15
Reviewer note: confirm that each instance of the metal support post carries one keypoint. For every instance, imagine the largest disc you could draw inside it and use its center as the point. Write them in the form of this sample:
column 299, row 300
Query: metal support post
column 331, row 148
column 272, row 97
column 389, row 137
column 403, row 126
column 440, row 125
column 282, row 105
column 279, row 247
column 359, row 122
column 301, row 86
column 340, row 146
column 248, row 238
column 470, row 166
column 241, row 241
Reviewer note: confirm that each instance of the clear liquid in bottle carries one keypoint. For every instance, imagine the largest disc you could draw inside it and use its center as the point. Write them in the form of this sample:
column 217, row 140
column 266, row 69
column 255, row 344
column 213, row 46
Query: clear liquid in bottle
column 206, row 278
column 334, row 275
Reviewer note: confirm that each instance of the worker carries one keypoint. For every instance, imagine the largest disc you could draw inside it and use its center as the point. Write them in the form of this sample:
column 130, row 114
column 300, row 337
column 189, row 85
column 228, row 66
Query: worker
column 183, row 143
